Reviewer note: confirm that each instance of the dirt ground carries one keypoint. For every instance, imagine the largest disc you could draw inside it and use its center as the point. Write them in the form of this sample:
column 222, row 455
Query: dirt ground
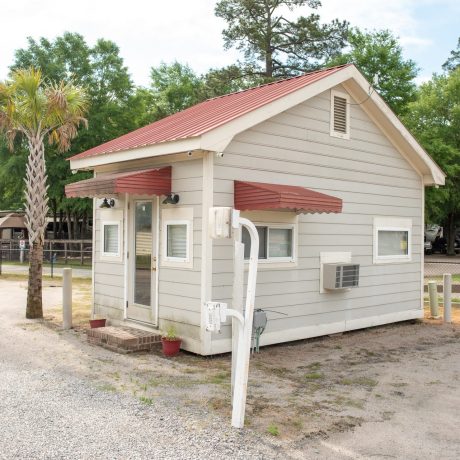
column 390, row 391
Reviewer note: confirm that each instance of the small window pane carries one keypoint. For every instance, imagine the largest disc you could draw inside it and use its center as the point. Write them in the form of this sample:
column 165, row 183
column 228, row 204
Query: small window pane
column 280, row 242
column 393, row 243
column 111, row 239
column 177, row 241
column 246, row 240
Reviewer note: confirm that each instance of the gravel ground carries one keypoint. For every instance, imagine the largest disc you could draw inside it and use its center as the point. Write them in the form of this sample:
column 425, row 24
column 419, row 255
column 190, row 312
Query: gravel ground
column 386, row 392
column 48, row 412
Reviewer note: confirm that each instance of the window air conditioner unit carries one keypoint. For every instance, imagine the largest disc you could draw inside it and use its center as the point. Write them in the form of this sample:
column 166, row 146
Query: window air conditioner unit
column 340, row 276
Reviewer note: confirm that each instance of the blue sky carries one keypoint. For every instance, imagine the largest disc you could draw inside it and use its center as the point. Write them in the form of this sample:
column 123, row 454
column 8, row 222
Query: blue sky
column 151, row 31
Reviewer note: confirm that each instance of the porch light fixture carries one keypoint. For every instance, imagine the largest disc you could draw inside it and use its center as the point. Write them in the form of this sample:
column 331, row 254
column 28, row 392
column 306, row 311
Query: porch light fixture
column 171, row 198
column 107, row 204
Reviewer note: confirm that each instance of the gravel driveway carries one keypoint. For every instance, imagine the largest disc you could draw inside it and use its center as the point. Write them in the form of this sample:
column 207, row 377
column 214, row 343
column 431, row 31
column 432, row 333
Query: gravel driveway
column 387, row 392
column 48, row 412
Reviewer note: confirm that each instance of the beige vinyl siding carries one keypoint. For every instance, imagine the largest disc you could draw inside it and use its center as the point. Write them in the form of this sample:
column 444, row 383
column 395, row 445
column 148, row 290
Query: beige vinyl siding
column 108, row 276
column 369, row 175
column 178, row 289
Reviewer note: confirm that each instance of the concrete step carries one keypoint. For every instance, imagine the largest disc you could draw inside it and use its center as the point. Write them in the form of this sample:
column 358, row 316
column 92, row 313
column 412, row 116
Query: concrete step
column 123, row 339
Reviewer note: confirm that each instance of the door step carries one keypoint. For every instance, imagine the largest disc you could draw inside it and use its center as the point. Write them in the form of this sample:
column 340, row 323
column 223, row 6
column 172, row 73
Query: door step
column 123, row 339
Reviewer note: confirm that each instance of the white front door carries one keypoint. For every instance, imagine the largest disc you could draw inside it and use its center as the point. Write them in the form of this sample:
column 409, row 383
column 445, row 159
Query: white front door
column 142, row 261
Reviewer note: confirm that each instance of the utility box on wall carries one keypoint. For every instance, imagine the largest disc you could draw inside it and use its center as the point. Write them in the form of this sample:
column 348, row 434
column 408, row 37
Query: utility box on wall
column 340, row 276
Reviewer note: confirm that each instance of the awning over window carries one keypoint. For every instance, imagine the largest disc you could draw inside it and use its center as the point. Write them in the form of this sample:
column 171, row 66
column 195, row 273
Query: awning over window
column 146, row 182
column 256, row 196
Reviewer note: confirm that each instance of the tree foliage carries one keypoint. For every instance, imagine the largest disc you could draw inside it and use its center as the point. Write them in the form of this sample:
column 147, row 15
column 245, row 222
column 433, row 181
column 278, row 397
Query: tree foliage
column 453, row 62
column 116, row 107
column 378, row 53
column 435, row 120
column 275, row 45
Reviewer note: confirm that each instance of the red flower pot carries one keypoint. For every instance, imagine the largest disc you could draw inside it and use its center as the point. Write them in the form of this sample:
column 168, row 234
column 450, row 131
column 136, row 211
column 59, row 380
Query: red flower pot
column 171, row 347
column 97, row 323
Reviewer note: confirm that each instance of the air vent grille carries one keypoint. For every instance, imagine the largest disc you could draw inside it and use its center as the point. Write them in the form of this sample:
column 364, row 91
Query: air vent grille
column 340, row 114
column 340, row 276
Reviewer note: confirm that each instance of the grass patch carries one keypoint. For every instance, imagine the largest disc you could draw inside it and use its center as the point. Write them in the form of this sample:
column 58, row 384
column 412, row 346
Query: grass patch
column 273, row 430
column 314, row 376
column 360, row 381
column 108, row 387
column 314, row 366
column 146, row 400
column 220, row 378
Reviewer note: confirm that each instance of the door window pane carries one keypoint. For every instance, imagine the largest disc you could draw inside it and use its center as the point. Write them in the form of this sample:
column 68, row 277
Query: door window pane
column 246, row 240
column 111, row 238
column 143, row 253
column 393, row 243
column 280, row 242
column 177, row 241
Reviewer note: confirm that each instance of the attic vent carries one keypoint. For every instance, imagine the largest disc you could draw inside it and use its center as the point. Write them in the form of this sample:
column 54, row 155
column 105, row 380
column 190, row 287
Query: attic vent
column 339, row 115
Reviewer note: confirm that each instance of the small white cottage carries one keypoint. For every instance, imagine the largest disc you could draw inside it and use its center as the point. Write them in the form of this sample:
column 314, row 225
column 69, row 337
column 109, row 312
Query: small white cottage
column 318, row 162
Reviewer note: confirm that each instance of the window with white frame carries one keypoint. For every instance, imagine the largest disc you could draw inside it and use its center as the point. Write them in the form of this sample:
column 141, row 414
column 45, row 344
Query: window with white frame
column 110, row 239
column 392, row 239
column 177, row 240
column 340, row 115
column 177, row 237
column 276, row 242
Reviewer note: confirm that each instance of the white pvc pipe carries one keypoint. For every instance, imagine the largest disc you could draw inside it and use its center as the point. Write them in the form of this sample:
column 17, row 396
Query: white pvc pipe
column 237, row 299
column 447, row 292
column 242, row 365
column 67, row 298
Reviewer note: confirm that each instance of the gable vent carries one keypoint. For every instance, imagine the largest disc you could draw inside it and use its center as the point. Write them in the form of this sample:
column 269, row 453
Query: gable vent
column 340, row 114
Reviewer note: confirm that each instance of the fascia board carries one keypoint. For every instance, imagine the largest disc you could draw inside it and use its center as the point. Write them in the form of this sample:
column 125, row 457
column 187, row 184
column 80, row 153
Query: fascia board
column 166, row 148
column 395, row 131
column 219, row 138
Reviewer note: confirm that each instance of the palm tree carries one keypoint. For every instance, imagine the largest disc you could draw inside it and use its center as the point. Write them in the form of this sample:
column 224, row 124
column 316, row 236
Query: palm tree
column 39, row 110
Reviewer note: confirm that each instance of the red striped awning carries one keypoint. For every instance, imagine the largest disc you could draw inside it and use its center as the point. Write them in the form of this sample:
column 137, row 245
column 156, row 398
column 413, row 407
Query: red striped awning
column 256, row 196
column 145, row 182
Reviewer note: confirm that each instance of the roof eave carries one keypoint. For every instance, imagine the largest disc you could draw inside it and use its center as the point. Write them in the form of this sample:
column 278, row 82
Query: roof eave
column 148, row 151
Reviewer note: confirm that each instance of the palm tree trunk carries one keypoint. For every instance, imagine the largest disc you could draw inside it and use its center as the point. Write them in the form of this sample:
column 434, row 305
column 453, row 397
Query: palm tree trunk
column 34, row 290
column 36, row 207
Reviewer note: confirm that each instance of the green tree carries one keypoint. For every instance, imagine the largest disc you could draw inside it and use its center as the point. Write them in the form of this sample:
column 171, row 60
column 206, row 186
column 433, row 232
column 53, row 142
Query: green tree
column 115, row 108
column 274, row 45
column 379, row 53
column 38, row 110
column 453, row 62
column 435, row 119
column 174, row 87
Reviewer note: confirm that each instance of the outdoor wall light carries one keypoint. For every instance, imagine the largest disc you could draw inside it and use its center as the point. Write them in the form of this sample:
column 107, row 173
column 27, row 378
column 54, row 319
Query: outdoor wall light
column 107, row 204
column 171, row 198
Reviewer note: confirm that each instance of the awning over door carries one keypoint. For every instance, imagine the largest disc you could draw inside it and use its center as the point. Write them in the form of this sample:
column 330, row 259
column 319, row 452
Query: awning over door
column 256, row 196
column 145, row 182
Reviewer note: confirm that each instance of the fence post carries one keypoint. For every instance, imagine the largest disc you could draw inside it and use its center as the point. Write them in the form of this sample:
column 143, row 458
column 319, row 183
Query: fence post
column 67, row 298
column 81, row 252
column 433, row 291
column 447, row 292
column 65, row 252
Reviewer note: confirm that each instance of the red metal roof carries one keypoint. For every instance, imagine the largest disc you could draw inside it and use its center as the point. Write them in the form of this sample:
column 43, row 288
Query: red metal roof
column 256, row 196
column 207, row 115
column 145, row 182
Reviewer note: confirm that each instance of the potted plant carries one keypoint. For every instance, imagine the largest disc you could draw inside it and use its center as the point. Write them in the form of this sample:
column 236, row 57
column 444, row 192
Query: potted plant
column 97, row 322
column 170, row 342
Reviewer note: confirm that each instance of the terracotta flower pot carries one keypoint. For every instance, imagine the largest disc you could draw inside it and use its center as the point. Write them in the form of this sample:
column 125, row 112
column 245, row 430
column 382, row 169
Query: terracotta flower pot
column 171, row 347
column 97, row 323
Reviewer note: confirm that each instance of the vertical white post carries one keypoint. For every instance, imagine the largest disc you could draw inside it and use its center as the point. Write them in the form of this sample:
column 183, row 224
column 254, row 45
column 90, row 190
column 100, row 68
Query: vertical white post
column 237, row 298
column 242, row 365
column 67, row 298
column 433, row 292
column 447, row 290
